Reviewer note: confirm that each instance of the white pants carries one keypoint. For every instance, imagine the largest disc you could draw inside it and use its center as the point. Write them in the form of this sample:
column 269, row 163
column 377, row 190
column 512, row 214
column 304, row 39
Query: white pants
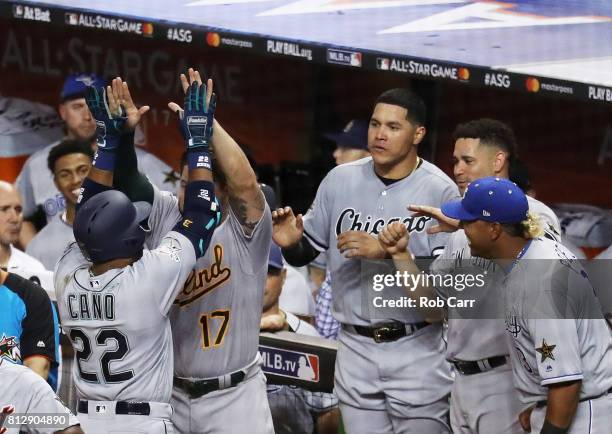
column 398, row 387
column 240, row 409
column 485, row 403
column 101, row 419
column 592, row 417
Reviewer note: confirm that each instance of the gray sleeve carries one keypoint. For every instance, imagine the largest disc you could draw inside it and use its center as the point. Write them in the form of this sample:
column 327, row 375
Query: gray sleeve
column 163, row 271
column 71, row 259
column 164, row 215
column 317, row 221
column 24, row 185
column 439, row 240
column 256, row 247
column 44, row 400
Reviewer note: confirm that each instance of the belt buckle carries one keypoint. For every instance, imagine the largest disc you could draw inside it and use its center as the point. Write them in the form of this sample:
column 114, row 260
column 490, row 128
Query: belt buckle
column 379, row 334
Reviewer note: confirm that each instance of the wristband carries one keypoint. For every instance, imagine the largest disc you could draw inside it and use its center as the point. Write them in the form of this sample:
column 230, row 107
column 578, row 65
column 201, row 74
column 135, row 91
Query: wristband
column 199, row 160
column 104, row 160
column 549, row 428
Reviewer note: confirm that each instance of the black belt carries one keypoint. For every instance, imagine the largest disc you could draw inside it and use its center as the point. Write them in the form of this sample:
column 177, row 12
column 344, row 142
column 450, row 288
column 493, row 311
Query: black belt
column 484, row 365
column 388, row 332
column 543, row 403
column 195, row 389
column 121, row 407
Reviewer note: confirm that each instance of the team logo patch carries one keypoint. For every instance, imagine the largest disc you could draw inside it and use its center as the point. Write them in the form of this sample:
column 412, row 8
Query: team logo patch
column 9, row 349
column 546, row 351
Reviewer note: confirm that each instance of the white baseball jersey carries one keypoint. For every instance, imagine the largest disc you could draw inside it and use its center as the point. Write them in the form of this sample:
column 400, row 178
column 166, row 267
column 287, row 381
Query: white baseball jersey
column 31, row 395
column 50, row 243
column 352, row 197
column 481, row 335
column 554, row 324
column 35, row 181
column 118, row 321
column 216, row 316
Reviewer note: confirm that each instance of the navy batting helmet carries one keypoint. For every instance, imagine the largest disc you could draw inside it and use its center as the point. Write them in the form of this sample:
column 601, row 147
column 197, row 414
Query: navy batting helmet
column 107, row 227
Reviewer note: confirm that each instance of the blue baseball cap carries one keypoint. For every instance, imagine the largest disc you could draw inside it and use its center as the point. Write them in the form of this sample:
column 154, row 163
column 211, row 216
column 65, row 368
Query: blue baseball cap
column 490, row 199
column 275, row 259
column 354, row 135
column 75, row 85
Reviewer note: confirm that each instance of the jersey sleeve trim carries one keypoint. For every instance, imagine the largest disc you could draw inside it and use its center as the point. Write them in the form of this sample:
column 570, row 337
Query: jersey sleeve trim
column 316, row 244
column 562, row 379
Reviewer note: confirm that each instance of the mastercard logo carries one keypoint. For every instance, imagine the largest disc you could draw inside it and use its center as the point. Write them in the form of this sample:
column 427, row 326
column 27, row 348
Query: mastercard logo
column 532, row 84
column 463, row 74
column 147, row 29
column 213, row 39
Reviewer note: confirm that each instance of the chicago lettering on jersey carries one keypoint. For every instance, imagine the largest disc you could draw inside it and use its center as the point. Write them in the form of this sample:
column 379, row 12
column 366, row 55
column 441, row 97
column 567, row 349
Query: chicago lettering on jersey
column 91, row 306
column 350, row 220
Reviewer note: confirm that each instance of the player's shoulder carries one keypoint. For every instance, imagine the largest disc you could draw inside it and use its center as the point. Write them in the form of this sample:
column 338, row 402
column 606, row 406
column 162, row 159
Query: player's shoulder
column 435, row 174
column 352, row 168
column 21, row 260
column 39, row 158
column 545, row 248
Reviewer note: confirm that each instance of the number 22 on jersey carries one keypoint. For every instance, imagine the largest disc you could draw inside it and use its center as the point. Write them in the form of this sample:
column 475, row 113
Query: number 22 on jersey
column 220, row 316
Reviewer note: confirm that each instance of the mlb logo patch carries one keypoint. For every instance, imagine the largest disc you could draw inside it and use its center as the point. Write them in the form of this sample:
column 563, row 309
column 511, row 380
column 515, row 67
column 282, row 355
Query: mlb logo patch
column 100, row 409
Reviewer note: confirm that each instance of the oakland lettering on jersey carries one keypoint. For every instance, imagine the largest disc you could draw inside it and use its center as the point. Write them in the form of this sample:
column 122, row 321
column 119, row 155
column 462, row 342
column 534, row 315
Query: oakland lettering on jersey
column 200, row 282
column 350, row 220
column 92, row 306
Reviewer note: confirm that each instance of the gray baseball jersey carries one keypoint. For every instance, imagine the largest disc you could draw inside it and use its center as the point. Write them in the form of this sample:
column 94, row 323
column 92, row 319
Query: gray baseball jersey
column 352, row 197
column 31, row 395
column 38, row 189
column 551, row 328
column 216, row 316
column 50, row 243
column 118, row 321
column 481, row 336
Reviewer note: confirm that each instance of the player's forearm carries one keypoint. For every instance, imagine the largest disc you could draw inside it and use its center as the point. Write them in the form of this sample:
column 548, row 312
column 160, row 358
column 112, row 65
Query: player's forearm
column 300, row 254
column 417, row 287
column 232, row 161
column 126, row 177
column 562, row 403
column 38, row 364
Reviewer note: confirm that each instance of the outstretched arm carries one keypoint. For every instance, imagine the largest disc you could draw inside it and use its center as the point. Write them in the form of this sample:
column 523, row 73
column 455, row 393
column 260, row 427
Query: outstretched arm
column 106, row 111
column 245, row 196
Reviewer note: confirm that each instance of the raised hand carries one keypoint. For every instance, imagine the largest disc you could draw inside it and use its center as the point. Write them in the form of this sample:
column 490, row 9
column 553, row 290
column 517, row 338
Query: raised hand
column 287, row 229
column 119, row 95
column 445, row 224
column 108, row 116
column 360, row 244
column 394, row 239
column 197, row 114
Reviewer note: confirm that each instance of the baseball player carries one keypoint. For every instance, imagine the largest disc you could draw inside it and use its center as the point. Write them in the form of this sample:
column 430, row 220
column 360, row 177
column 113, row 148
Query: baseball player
column 69, row 162
column 26, row 394
column 113, row 296
column 391, row 375
column 219, row 386
column 483, row 400
column 42, row 201
column 561, row 348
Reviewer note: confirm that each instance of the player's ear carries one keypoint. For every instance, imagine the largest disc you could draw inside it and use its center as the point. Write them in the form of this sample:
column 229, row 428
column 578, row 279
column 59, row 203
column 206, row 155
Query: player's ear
column 419, row 134
column 495, row 230
column 61, row 109
column 500, row 161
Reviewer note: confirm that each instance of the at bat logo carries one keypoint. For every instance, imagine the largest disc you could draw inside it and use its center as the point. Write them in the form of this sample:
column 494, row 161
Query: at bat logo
column 351, row 220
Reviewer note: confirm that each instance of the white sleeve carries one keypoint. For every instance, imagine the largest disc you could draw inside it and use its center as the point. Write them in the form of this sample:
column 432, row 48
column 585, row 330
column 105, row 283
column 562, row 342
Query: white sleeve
column 163, row 271
column 317, row 221
column 557, row 350
column 44, row 400
column 24, row 185
column 164, row 215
